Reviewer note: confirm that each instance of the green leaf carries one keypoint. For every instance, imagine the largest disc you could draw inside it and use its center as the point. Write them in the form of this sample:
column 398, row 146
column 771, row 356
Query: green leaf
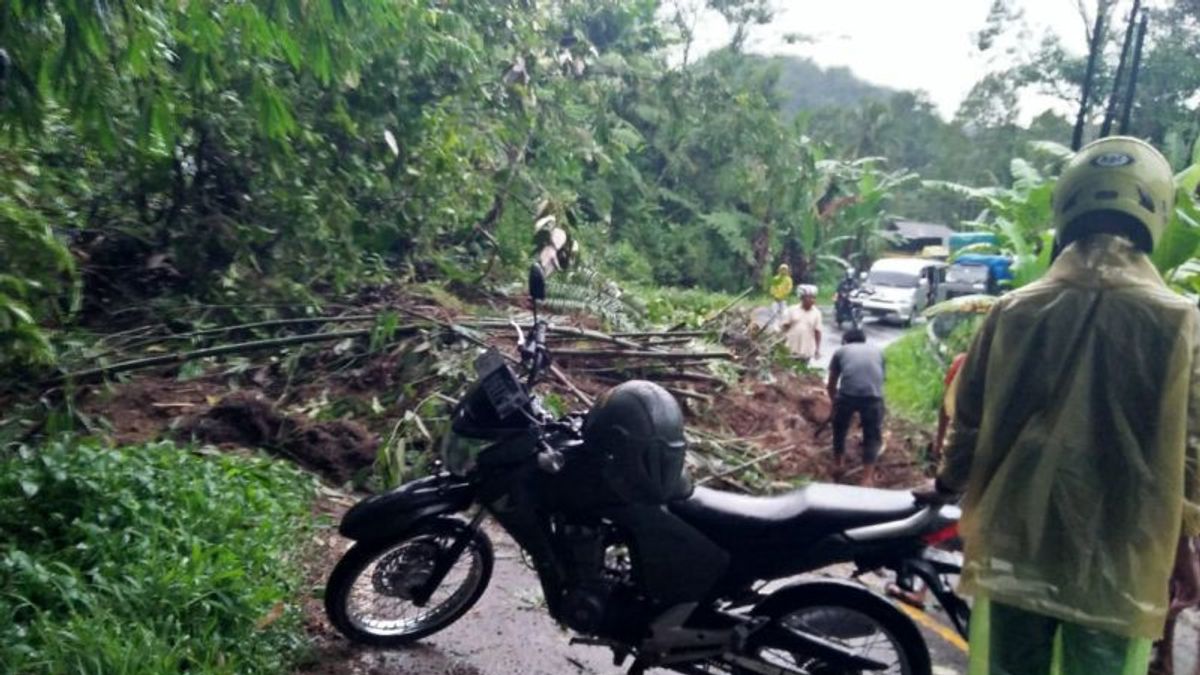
column 29, row 487
column 190, row 370
column 1181, row 239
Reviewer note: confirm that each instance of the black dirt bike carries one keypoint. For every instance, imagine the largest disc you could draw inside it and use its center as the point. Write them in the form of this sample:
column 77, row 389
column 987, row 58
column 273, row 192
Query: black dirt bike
column 847, row 308
column 628, row 554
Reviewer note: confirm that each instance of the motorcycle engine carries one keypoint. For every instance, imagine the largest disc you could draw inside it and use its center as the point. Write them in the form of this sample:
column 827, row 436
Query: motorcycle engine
column 600, row 592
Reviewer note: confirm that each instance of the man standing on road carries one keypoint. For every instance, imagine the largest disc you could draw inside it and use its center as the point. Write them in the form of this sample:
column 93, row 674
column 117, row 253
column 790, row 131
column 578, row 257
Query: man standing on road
column 802, row 326
column 856, row 386
column 1075, row 436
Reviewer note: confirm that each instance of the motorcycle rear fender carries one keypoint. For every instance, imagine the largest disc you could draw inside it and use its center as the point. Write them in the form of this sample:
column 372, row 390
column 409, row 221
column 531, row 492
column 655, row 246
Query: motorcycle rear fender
column 389, row 515
column 814, row 592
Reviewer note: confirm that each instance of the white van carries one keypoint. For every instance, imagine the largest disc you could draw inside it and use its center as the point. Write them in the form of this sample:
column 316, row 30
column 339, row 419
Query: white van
column 900, row 288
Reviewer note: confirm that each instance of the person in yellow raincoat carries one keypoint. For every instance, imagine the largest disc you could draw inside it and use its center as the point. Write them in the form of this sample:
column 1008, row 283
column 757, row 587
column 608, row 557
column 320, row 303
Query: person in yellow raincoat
column 781, row 290
column 1075, row 439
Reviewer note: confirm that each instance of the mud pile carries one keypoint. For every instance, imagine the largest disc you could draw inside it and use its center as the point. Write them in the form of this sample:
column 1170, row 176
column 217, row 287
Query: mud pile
column 336, row 449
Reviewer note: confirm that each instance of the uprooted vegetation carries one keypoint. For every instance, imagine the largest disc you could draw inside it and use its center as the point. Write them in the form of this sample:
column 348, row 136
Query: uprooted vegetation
column 360, row 398
column 363, row 396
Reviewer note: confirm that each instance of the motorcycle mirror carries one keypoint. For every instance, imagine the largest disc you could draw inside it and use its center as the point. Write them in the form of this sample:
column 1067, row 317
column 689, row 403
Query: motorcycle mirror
column 537, row 282
column 862, row 276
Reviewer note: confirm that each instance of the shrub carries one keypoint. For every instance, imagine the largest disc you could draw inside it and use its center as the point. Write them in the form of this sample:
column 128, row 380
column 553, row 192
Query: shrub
column 913, row 388
column 148, row 559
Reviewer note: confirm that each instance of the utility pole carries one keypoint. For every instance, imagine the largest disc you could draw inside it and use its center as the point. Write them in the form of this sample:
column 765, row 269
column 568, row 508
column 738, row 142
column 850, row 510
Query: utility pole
column 1133, row 75
column 1093, row 56
column 1111, row 111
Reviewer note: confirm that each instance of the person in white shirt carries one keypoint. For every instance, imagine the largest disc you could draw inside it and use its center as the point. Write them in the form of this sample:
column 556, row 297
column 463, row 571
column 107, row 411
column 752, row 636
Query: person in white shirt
column 802, row 326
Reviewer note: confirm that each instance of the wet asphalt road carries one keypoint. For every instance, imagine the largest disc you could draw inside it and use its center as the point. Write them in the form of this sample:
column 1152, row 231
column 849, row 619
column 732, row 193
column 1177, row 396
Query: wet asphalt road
column 510, row 633
column 878, row 332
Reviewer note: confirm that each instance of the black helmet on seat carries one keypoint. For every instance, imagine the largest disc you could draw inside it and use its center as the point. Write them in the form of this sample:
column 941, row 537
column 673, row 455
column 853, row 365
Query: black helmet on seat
column 634, row 437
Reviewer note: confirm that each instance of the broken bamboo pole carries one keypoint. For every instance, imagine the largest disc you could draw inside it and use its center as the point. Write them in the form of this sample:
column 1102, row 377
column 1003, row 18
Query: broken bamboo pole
column 743, row 466
column 641, row 354
column 236, row 348
column 273, row 323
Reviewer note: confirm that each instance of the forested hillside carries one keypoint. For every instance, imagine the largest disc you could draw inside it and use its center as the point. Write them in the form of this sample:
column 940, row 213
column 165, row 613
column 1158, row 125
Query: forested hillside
column 273, row 152
column 242, row 152
column 251, row 249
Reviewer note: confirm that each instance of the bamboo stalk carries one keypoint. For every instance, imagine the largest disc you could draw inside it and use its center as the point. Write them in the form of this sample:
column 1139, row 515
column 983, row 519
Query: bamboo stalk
column 579, row 393
column 672, row 334
column 743, row 466
column 236, row 348
column 154, row 339
column 663, row 342
column 723, row 310
column 661, row 375
column 688, row 393
column 640, row 354
column 595, row 335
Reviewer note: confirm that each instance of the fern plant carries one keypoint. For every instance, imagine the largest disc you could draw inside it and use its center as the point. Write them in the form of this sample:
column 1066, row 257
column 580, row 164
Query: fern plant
column 591, row 293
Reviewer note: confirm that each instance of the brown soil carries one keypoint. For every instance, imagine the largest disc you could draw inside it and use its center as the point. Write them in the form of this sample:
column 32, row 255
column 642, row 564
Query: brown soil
column 141, row 409
column 337, row 449
column 793, row 414
column 331, row 653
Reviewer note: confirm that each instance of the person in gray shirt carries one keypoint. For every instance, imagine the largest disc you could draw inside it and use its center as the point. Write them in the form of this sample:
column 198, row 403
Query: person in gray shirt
column 856, row 386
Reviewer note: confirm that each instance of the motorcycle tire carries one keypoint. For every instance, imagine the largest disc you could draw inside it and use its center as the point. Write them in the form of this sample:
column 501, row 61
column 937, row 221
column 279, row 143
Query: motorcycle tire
column 856, row 608
column 433, row 535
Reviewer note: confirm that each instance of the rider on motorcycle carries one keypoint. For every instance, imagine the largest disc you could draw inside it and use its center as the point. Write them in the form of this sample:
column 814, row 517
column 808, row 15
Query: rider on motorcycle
column 848, row 284
column 843, row 305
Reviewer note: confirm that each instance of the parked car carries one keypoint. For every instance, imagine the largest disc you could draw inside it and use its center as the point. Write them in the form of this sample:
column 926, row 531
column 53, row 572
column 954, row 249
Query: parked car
column 897, row 289
column 975, row 273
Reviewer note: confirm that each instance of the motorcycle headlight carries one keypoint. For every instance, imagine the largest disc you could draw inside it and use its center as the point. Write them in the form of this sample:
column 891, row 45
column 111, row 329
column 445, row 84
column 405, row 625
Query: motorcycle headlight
column 460, row 453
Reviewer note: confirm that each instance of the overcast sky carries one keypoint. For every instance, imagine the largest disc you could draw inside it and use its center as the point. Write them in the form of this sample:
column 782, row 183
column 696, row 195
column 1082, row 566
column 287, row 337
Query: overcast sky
column 909, row 44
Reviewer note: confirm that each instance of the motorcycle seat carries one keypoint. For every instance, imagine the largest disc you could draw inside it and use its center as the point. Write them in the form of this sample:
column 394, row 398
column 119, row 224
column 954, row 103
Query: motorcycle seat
column 811, row 512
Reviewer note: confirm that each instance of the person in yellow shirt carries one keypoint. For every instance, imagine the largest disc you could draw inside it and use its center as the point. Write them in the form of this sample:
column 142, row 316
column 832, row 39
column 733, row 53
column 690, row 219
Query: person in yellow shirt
column 1076, row 435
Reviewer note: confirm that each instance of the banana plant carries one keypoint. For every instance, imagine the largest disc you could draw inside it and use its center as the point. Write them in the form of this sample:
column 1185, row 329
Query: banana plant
column 1021, row 217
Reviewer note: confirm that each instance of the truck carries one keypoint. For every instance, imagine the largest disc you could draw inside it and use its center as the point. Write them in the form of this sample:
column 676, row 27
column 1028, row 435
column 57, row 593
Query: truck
column 975, row 273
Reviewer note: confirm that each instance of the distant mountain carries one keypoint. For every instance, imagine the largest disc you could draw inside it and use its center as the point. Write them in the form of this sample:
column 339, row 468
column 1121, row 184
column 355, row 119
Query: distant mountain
column 803, row 85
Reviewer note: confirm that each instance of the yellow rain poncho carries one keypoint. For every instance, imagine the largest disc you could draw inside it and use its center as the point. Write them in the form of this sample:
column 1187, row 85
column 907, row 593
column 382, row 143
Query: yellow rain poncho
column 781, row 283
column 1075, row 442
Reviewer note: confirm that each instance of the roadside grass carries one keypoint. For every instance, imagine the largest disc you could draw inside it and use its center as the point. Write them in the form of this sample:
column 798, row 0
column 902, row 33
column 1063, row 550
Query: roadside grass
column 913, row 388
column 149, row 559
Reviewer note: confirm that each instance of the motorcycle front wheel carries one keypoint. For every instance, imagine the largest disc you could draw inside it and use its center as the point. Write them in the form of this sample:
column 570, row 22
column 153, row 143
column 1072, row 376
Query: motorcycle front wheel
column 860, row 624
column 369, row 595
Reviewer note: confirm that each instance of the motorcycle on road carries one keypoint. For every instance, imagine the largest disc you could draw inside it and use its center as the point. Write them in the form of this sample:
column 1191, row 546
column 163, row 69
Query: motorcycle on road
column 847, row 307
column 629, row 555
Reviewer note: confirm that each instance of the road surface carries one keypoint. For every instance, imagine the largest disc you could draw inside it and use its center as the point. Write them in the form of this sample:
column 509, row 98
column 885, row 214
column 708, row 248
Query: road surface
column 510, row 632
column 878, row 332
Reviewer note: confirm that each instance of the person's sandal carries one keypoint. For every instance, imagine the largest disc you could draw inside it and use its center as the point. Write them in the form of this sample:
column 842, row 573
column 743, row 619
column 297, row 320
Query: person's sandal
column 911, row 598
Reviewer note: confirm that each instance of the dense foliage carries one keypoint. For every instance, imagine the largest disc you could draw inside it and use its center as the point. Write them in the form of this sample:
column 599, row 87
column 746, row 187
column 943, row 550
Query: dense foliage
column 148, row 559
column 234, row 152
column 277, row 151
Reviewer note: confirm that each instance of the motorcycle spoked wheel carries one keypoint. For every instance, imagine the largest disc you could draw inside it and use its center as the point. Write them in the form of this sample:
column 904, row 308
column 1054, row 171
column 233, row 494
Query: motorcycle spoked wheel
column 867, row 626
column 368, row 597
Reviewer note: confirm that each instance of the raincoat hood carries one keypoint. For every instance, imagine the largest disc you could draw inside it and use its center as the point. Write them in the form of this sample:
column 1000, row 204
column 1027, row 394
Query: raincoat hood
column 1075, row 441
